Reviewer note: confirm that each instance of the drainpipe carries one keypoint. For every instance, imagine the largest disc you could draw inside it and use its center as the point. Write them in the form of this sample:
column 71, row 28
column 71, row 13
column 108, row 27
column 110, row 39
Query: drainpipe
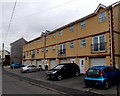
column 112, row 45
column 112, row 53
column 44, row 35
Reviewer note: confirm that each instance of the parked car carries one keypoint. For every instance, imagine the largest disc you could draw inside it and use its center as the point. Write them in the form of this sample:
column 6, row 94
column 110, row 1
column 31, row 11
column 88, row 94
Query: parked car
column 102, row 76
column 64, row 70
column 16, row 65
column 29, row 68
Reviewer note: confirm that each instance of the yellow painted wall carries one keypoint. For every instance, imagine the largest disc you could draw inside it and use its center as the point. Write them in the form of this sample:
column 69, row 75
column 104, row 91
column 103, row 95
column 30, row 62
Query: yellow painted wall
column 93, row 28
column 115, row 18
column 51, row 53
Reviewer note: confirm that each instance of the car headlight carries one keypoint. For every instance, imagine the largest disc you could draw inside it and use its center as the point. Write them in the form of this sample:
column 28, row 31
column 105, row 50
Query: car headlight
column 54, row 72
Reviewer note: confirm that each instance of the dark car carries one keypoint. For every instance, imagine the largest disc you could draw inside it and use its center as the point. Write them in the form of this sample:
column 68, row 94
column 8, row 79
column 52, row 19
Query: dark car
column 16, row 65
column 63, row 70
column 102, row 76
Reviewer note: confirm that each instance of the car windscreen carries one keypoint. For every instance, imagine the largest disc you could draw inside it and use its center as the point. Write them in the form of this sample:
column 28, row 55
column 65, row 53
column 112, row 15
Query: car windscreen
column 58, row 67
column 93, row 72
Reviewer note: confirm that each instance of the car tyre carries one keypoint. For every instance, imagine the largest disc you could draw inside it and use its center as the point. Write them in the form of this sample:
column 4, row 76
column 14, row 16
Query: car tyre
column 59, row 77
column 77, row 74
column 106, row 85
column 28, row 71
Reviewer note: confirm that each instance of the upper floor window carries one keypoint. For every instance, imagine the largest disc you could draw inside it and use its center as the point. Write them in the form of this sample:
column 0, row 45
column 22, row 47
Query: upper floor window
column 42, row 49
column 61, row 32
column 34, row 42
column 46, row 50
column 53, row 48
column 62, row 46
column 83, row 42
column 98, row 43
column 33, row 52
column 71, row 28
column 53, row 35
column 83, row 24
column 37, row 50
column 71, row 45
column 102, row 17
column 38, row 41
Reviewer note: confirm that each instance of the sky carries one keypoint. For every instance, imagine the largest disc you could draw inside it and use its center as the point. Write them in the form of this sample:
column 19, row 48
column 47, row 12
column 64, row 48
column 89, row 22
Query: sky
column 32, row 17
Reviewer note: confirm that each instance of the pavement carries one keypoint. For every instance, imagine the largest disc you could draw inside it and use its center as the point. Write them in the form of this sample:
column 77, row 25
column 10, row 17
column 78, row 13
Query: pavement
column 74, row 82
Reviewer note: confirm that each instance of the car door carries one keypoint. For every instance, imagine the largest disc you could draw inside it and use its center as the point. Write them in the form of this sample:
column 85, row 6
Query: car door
column 109, row 74
column 34, row 68
column 115, row 74
column 68, row 70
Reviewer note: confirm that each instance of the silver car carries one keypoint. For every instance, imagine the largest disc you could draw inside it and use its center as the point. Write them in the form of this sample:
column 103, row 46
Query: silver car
column 29, row 68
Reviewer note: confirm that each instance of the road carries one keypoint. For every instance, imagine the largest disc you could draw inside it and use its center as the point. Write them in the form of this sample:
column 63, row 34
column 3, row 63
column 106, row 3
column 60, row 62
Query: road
column 76, row 83
column 12, row 85
column 26, row 88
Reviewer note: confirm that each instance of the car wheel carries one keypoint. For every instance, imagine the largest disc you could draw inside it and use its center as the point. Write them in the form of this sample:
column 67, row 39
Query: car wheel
column 28, row 71
column 59, row 77
column 77, row 74
column 106, row 85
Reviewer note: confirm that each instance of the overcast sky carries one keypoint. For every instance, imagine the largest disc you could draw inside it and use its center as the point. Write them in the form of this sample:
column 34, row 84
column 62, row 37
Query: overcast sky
column 31, row 17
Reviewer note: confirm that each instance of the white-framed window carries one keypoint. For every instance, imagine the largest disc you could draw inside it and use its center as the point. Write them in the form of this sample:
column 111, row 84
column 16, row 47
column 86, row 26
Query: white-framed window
column 62, row 49
column 46, row 49
column 33, row 51
column 83, row 42
column 102, row 17
column 42, row 49
column 71, row 28
column 37, row 51
column 83, row 24
column 98, row 43
column 71, row 45
column 38, row 41
column 61, row 32
column 53, row 48
column 53, row 35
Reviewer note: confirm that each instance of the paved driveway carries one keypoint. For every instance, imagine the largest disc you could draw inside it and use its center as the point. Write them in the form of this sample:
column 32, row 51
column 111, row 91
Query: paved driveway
column 74, row 82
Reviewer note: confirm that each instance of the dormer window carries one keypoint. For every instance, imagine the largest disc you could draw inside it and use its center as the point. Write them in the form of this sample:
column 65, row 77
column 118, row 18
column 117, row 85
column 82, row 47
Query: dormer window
column 102, row 17
column 53, row 35
column 61, row 32
column 71, row 28
column 83, row 24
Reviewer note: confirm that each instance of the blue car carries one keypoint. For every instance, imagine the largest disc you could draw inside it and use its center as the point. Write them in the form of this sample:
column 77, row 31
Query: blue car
column 102, row 76
column 16, row 65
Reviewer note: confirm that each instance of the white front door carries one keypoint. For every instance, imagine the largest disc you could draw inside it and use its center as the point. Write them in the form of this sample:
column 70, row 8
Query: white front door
column 33, row 63
column 43, row 64
column 38, row 62
column 82, row 65
column 72, row 60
